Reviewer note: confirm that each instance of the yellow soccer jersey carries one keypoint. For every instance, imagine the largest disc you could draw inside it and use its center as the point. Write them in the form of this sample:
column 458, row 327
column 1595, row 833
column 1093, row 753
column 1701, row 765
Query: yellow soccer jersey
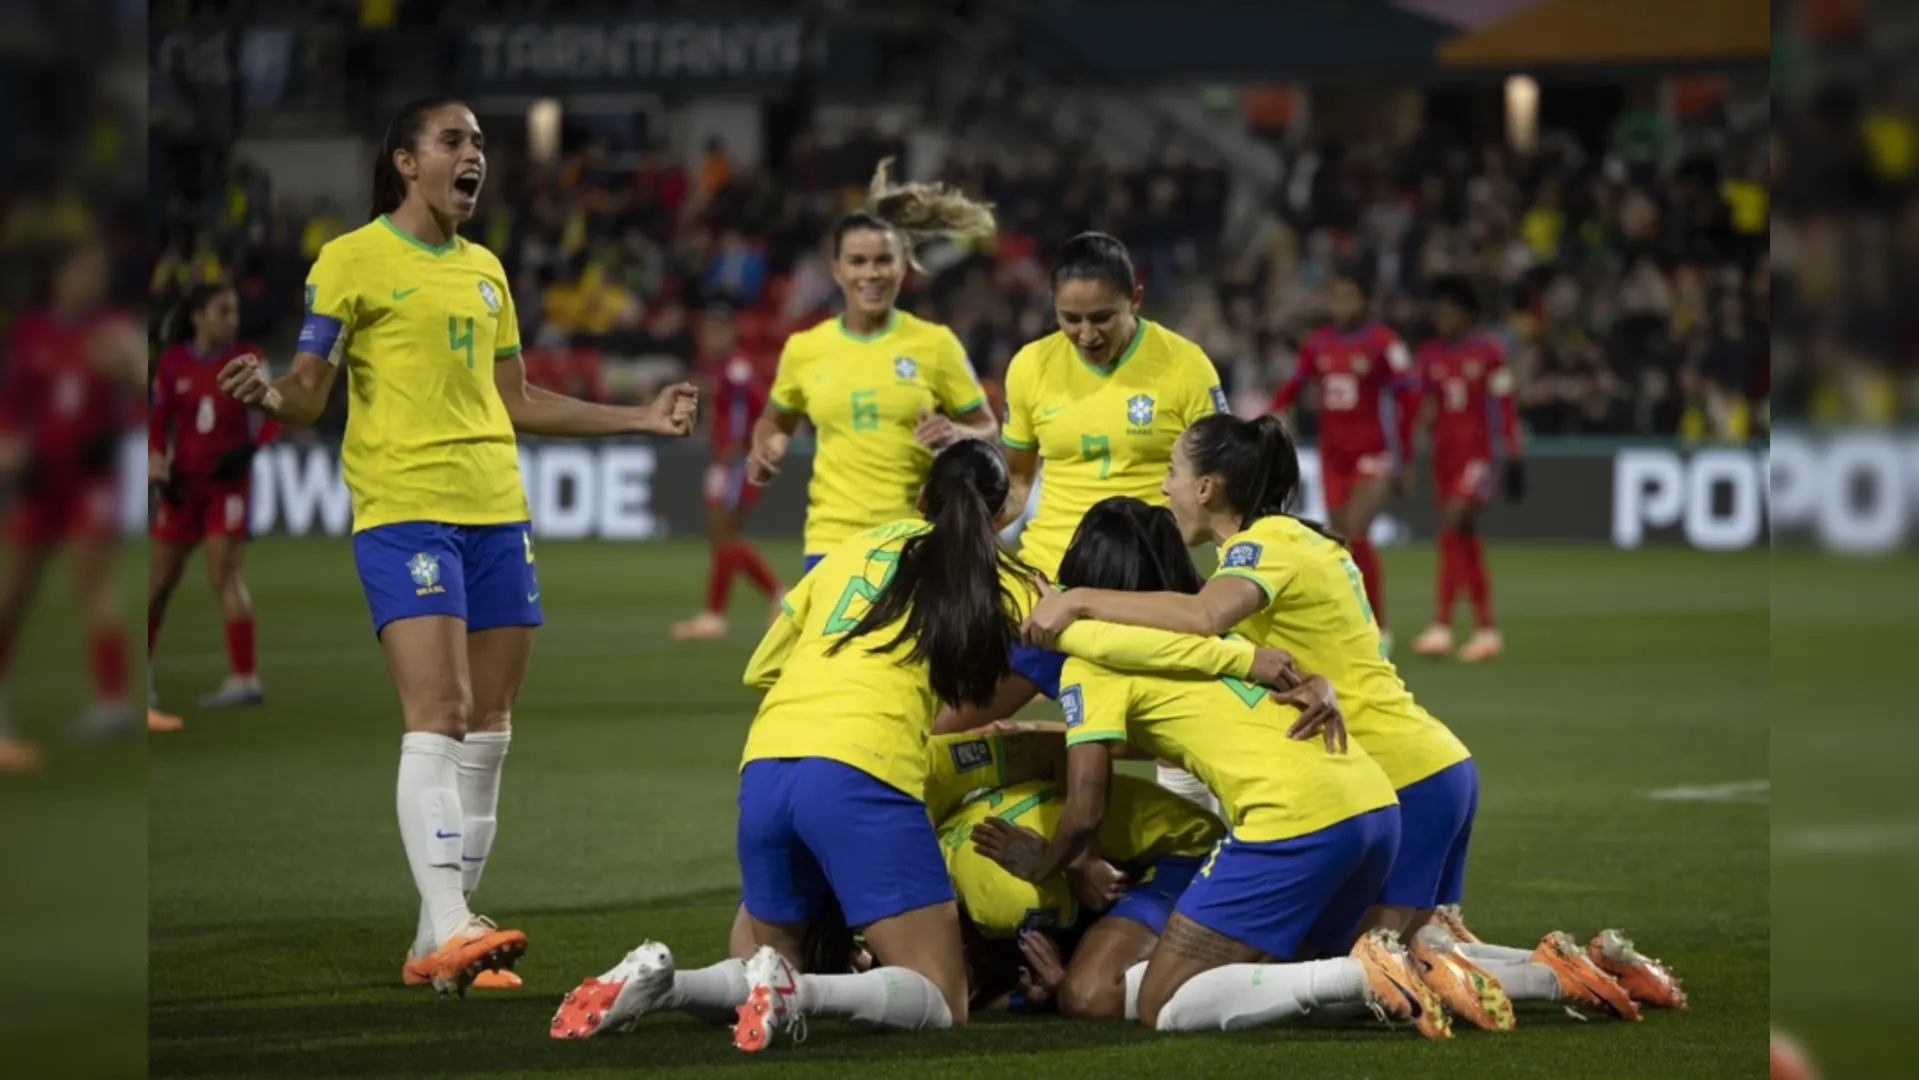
column 1143, row 824
column 1233, row 737
column 869, row 710
column 864, row 395
column 1101, row 434
column 427, row 436
column 959, row 765
column 1316, row 609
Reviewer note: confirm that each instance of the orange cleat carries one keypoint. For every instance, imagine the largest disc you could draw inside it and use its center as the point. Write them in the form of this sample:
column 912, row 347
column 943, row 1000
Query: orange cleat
column 1435, row 640
column 477, row 947
column 1582, row 980
column 1448, row 916
column 1394, row 988
column 706, row 626
column 415, row 972
column 1485, row 644
column 1649, row 981
column 1466, row 989
column 773, row 1002
column 163, row 723
column 16, row 756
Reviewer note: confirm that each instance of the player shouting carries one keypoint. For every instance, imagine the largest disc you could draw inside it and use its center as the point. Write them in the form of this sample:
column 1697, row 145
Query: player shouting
column 70, row 369
column 1364, row 374
column 200, row 447
column 1464, row 374
column 883, row 388
column 425, row 323
column 739, row 396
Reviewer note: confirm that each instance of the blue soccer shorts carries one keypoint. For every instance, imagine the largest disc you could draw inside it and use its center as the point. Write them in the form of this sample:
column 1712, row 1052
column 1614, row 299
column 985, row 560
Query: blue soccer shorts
column 483, row 574
column 1436, row 816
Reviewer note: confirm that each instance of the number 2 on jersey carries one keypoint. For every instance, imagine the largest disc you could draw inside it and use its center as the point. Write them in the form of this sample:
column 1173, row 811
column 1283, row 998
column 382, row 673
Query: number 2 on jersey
column 457, row 339
column 1096, row 448
column 839, row 622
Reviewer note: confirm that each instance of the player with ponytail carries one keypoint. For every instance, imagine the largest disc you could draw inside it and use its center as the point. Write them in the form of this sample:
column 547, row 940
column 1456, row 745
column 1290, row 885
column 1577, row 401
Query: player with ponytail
column 883, row 388
column 890, row 624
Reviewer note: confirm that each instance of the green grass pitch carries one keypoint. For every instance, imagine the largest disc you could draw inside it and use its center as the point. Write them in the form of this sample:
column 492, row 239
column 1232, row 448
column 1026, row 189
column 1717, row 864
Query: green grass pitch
column 280, row 904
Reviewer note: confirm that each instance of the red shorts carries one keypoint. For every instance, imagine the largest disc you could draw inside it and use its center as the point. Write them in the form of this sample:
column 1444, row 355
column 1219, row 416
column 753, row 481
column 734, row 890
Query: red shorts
column 217, row 508
column 1463, row 478
column 726, row 486
column 1340, row 474
column 80, row 509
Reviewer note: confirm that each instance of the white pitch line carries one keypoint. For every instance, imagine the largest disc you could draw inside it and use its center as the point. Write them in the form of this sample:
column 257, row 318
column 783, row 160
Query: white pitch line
column 1739, row 791
column 1859, row 838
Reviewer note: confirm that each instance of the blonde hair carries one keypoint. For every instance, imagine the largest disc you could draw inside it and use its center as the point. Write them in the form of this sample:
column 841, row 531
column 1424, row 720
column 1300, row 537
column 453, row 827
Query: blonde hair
column 916, row 211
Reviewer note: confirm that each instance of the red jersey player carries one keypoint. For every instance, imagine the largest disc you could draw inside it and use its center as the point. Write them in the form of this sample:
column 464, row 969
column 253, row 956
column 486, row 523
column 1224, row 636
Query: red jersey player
column 200, row 446
column 64, row 405
column 1465, row 376
column 739, row 393
column 1364, row 375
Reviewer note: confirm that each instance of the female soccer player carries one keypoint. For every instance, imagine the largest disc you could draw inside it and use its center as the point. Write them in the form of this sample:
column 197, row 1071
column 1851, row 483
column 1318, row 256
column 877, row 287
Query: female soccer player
column 1099, row 403
column 1288, row 584
column 1364, row 374
column 200, row 447
column 71, row 368
column 425, row 323
column 738, row 399
column 883, row 388
column 1465, row 375
column 1311, row 833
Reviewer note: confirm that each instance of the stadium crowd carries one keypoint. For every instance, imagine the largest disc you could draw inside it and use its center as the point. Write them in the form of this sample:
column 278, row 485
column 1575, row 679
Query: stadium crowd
column 1630, row 287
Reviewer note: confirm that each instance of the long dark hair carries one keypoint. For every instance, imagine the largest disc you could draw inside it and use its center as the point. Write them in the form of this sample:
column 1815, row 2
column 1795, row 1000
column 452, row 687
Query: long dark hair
column 1257, row 463
column 1095, row 256
column 914, row 211
column 178, row 327
column 1125, row 544
column 403, row 133
column 947, row 584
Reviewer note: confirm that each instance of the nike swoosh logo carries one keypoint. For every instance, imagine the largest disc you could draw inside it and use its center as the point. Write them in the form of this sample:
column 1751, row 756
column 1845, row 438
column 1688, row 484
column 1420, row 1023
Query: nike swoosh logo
column 438, row 835
column 402, row 294
column 1412, row 999
column 1048, row 412
column 532, row 597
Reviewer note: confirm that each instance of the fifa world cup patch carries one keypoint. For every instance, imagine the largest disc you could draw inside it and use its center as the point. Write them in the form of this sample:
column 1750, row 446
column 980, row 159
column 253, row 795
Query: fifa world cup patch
column 1244, row 554
column 1039, row 918
column 971, row 754
column 1073, row 704
column 424, row 569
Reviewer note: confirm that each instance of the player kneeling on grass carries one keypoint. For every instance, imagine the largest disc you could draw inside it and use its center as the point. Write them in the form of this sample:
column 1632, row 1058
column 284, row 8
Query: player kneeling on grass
column 1312, row 829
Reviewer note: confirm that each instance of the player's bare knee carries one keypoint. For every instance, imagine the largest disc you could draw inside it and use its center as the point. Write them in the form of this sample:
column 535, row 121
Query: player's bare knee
column 1092, row 996
column 449, row 718
column 491, row 720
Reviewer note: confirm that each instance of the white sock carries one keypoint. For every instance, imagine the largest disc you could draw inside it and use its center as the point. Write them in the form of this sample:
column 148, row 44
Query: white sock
column 895, row 998
column 482, row 756
column 428, row 802
column 1524, row 981
column 1186, row 786
column 1253, row 995
column 1134, row 976
column 1479, row 951
column 709, row 993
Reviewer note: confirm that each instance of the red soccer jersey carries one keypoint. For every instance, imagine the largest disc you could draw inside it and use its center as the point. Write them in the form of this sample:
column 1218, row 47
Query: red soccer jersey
column 1363, row 376
column 57, row 399
column 1473, row 391
column 191, row 416
column 739, row 394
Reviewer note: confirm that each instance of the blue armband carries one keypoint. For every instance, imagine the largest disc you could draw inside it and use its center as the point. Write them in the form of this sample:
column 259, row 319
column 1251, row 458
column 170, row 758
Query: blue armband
column 319, row 334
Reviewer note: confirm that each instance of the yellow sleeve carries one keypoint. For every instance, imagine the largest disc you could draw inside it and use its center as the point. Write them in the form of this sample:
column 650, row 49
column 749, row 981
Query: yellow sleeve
column 506, row 339
column 769, row 659
column 1257, row 563
column 958, row 764
column 1202, row 396
column 1094, row 701
column 1017, row 431
column 954, row 383
column 788, row 394
column 332, row 294
column 1144, row 648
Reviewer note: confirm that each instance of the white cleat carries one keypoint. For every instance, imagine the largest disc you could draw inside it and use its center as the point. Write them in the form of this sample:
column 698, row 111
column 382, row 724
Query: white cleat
column 106, row 720
column 235, row 691
column 1485, row 644
column 773, row 1002
column 614, row 1002
column 1435, row 640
